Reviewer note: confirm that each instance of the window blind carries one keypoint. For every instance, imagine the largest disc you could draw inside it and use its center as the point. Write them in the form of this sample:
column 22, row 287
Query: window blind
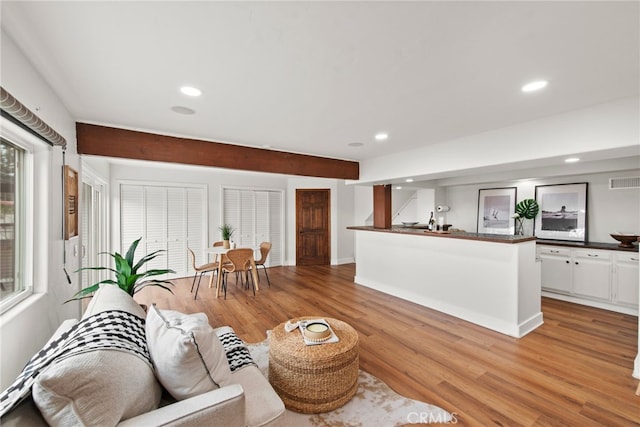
column 14, row 110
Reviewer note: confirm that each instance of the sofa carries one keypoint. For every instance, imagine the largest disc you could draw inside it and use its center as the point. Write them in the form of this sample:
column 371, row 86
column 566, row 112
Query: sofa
column 188, row 379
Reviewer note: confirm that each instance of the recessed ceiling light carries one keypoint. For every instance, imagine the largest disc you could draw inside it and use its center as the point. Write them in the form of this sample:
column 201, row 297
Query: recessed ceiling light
column 190, row 91
column 535, row 85
column 355, row 144
column 572, row 160
column 381, row 136
column 408, row 180
column 398, row 188
column 182, row 110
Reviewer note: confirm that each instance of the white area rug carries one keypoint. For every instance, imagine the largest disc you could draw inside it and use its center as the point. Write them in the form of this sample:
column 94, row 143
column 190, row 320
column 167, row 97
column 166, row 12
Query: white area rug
column 374, row 405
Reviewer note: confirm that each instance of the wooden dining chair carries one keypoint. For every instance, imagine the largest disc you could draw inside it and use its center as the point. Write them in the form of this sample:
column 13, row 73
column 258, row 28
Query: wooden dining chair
column 265, row 248
column 237, row 261
column 200, row 270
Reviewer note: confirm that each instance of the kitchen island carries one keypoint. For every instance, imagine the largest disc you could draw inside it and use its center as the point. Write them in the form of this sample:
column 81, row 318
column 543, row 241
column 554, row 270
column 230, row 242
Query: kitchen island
column 488, row 279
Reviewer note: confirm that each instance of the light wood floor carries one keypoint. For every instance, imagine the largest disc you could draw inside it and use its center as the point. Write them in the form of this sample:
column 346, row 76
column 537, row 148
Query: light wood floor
column 575, row 370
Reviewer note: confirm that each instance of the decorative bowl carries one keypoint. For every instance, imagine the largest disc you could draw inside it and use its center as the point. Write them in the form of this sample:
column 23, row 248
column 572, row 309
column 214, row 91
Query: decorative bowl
column 317, row 331
column 409, row 224
column 626, row 239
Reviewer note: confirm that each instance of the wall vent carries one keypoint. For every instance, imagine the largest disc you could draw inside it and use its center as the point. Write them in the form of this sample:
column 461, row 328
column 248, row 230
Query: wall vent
column 623, row 183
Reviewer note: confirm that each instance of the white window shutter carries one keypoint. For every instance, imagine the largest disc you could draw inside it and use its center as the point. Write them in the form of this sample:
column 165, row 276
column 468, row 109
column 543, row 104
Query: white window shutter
column 177, row 231
column 275, row 225
column 132, row 217
column 257, row 217
column 246, row 235
column 231, row 211
column 196, row 232
column 262, row 215
column 166, row 218
column 156, row 226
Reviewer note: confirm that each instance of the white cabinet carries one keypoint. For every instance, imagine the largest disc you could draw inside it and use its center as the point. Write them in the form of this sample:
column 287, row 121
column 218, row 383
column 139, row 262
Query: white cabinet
column 592, row 274
column 556, row 269
column 626, row 279
column 601, row 278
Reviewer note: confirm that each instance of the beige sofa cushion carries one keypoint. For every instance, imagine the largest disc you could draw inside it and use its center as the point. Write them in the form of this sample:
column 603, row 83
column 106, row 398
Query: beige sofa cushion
column 110, row 297
column 263, row 405
column 187, row 354
column 100, row 387
column 96, row 389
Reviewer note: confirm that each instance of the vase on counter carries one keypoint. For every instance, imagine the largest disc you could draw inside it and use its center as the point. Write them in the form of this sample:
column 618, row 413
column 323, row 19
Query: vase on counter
column 519, row 231
column 525, row 209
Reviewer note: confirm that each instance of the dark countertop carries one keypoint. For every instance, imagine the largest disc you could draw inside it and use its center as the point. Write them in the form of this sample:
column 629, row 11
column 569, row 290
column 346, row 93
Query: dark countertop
column 587, row 245
column 420, row 231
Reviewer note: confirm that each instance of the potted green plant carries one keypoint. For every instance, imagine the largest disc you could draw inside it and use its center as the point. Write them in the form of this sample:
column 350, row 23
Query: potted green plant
column 227, row 231
column 128, row 277
column 526, row 209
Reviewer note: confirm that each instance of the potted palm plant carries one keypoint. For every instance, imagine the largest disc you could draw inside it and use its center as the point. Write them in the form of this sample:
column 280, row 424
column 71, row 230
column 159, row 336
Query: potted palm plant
column 227, row 231
column 127, row 274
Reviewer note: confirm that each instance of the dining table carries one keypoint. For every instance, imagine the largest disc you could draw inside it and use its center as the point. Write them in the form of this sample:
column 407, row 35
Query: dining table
column 220, row 253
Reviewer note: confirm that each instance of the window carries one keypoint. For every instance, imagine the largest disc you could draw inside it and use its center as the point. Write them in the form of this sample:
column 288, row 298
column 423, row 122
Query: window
column 12, row 221
column 25, row 172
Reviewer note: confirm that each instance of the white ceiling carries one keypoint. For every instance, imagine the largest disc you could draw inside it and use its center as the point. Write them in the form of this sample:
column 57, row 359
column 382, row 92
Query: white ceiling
column 312, row 77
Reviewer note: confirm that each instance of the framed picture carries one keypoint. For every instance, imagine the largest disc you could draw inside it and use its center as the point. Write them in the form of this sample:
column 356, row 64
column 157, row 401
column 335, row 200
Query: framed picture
column 496, row 207
column 70, row 203
column 563, row 212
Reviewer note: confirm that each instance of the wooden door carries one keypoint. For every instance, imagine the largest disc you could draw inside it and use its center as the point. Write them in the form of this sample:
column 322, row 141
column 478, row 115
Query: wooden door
column 312, row 227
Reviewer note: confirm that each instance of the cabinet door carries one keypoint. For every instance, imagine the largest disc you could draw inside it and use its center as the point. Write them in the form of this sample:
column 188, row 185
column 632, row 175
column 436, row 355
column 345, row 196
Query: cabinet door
column 555, row 269
column 177, row 259
column 592, row 274
column 256, row 216
column 165, row 218
column 154, row 236
column 132, row 215
column 626, row 280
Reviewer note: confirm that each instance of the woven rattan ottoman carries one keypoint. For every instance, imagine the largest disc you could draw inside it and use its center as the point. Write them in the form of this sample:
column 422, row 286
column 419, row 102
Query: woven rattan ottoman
column 315, row 378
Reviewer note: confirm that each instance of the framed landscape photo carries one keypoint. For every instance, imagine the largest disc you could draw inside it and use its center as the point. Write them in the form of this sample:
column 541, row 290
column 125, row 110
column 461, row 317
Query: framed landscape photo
column 563, row 212
column 496, row 207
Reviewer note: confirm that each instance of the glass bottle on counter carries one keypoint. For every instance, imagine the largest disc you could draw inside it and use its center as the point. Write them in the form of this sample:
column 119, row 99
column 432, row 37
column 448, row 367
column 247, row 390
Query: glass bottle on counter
column 431, row 225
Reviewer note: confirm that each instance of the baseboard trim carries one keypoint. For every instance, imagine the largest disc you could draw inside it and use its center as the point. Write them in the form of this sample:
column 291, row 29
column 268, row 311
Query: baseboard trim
column 499, row 325
column 597, row 304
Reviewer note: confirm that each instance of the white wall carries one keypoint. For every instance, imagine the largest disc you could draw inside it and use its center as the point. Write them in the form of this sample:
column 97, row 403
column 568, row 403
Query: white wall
column 607, row 210
column 403, row 205
column 346, row 239
column 26, row 327
column 363, row 205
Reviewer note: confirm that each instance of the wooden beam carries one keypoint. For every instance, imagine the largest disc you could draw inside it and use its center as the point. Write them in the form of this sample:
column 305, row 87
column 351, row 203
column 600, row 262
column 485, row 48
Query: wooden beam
column 114, row 142
column 382, row 206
